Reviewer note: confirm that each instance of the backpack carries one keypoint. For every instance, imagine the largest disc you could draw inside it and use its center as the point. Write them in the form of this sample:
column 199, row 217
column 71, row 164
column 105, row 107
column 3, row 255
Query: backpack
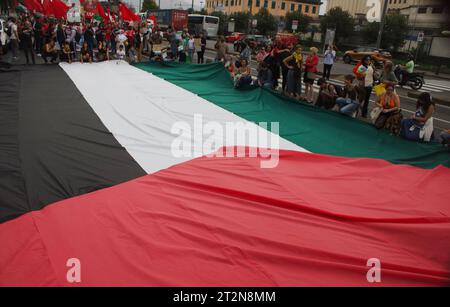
column 8, row 31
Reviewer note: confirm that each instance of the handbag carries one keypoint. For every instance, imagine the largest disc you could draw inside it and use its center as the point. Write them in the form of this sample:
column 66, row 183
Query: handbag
column 375, row 113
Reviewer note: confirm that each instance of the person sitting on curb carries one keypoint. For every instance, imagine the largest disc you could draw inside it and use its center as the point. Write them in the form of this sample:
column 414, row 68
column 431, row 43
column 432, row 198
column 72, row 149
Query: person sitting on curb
column 348, row 103
column 327, row 94
column 243, row 76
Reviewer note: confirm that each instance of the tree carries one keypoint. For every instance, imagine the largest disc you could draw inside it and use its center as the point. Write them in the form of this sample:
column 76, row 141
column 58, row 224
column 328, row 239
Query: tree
column 337, row 19
column 241, row 21
column 223, row 22
column 149, row 5
column 201, row 12
column 394, row 33
column 266, row 23
column 303, row 21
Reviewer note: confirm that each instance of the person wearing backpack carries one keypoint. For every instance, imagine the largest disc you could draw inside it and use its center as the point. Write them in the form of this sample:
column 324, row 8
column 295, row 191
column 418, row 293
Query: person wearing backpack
column 13, row 37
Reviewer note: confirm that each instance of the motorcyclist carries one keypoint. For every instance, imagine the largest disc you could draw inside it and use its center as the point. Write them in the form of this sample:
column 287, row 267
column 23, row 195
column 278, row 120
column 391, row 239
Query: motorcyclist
column 407, row 70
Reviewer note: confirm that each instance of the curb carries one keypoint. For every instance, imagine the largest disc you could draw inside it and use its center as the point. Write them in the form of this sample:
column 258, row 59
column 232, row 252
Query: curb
column 436, row 100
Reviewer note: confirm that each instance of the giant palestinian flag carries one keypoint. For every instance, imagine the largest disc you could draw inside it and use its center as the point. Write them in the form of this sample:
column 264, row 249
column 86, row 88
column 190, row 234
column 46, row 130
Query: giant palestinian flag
column 88, row 172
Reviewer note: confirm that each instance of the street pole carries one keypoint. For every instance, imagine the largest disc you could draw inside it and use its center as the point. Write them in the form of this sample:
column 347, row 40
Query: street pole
column 382, row 22
column 192, row 6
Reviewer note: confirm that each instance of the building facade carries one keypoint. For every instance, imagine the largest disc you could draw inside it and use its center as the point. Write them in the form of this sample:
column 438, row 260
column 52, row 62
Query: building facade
column 278, row 8
column 429, row 16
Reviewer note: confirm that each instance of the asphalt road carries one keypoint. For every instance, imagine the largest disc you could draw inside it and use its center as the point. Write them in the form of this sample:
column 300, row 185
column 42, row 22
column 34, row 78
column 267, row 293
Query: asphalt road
column 436, row 86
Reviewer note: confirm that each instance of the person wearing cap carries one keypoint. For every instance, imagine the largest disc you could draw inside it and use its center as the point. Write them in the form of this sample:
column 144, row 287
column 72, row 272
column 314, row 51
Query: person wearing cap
column 420, row 126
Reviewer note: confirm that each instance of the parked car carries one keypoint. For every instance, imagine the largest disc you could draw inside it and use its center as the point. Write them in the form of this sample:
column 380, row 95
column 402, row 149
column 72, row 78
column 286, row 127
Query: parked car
column 234, row 37
column 254, row 41
column 378, row 55
column 286, row 39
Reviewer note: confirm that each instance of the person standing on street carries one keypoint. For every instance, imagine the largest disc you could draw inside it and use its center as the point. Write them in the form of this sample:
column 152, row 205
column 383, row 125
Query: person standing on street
column 328, row 61
column 13, row 38
column 294, row 63
column 200, row 46
column 27, row 41
column 366, row 83
column 311, row 63
column 221, row 49
column 38, row 40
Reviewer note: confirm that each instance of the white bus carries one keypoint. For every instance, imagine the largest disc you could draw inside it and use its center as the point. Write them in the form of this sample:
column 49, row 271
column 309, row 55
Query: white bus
column 203, row 24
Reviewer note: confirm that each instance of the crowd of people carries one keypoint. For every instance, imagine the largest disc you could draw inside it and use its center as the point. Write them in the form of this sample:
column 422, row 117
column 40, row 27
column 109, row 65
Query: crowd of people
column 297, row 69
column 91, row 41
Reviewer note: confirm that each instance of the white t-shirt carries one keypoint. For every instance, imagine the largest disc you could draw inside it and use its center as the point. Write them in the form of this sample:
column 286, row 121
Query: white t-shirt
column 368, row 80
column 13, row 27
column 192, row 44
column 121, row 38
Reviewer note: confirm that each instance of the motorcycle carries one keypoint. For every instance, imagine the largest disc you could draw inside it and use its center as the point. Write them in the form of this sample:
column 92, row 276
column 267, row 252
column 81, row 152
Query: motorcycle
column 414, row 80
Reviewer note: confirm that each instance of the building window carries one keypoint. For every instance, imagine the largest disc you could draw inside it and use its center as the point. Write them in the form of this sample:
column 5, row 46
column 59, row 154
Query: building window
column 283, row 5
column 314, row 9
column 422, row 10
column 300, row 8
column 250, row 3
column 258, row 4
column 266, row 3
column 437, row 10
column 232, row 3
column 273, row 4
column 306, row 8
column 292, row 7
column 226, row 2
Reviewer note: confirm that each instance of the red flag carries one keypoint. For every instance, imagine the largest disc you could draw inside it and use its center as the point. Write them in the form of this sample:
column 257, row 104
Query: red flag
column 126, row 14
column 57, row 8
column 33, row 5
column 60, row 9
column 101, row 13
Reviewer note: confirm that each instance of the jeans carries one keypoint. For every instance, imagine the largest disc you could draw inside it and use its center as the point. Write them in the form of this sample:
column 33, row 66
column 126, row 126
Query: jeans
column 347, row 106
column 14, row 47
column 243, row 80
column 28, row 50
column 191, row 55
column 200, row 56
column 327, row 70
column 445, row 137
column 367, row 93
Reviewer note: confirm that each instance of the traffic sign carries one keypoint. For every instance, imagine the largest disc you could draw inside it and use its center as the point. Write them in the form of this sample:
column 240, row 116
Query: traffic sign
column 294, row 24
